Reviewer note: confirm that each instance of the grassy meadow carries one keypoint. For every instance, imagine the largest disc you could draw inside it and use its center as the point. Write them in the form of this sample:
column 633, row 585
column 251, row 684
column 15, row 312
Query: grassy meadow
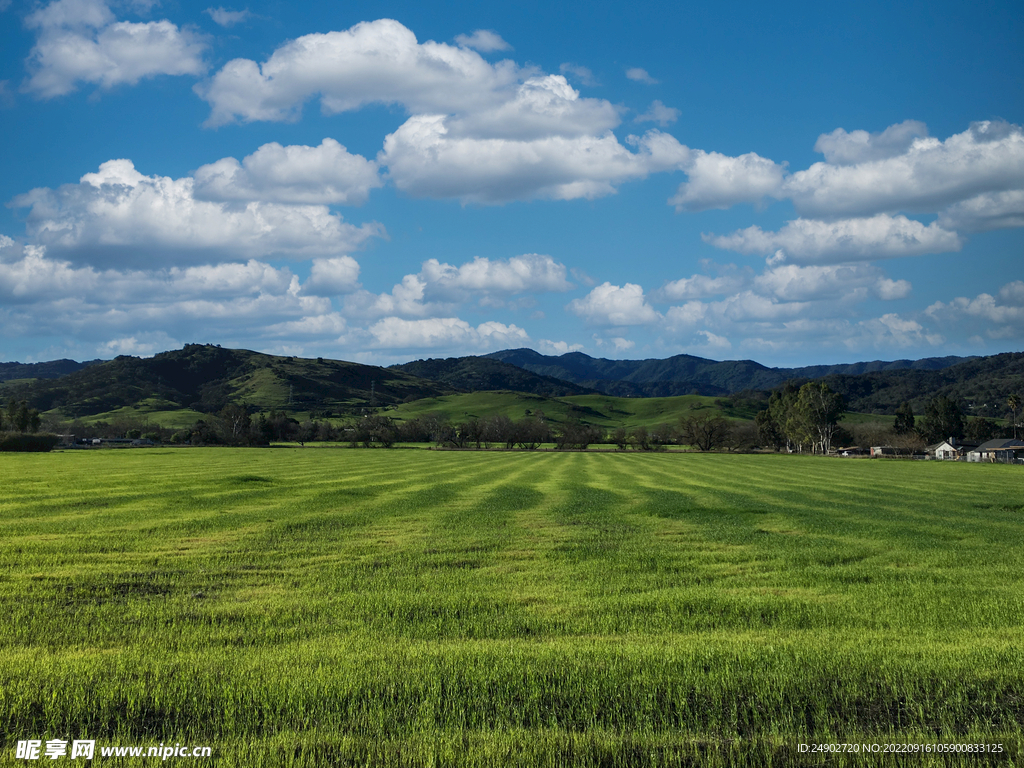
column 392, row 608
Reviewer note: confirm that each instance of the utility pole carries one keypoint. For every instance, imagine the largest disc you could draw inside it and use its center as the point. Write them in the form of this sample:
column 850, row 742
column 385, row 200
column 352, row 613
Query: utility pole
column 373, row 393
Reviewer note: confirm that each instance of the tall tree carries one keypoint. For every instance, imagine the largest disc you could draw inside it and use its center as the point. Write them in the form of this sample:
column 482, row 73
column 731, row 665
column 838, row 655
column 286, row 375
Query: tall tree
column 943, row 419
column 820, row 410
column 905, row 421
column 706, row 431
column 1013, row 403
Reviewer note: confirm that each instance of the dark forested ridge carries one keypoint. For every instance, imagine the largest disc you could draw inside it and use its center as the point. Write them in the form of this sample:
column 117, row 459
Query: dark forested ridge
column 686, row 374
column 981, row 384
column 52, row 369
column 476, row 374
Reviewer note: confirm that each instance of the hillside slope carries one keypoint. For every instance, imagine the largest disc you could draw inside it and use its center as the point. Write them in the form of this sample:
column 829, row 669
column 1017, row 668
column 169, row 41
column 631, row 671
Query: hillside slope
column 206, row 378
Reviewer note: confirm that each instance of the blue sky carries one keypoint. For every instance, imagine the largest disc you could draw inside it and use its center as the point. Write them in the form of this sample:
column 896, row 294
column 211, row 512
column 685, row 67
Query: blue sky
column 793, row 183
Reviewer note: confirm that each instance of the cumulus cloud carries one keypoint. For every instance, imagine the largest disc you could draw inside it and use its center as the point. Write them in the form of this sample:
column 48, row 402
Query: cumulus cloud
column 579, row 73
column 373, row 62
column 398, row 333
column 720, row 181
column 81, row 41
column 842, row 148
column 128, row 311
column 998, row 317
column 640, row 75
column 811, row 241
column 119, row 215
column 226, row 17
column 992, row 210
column 614, row 305
column 701, row 286
column 548, row 347
column 483, row 40
column 294, row 174
column 424, row 161
column 539, row 107
column 330, row 277
column 658, row 113
column 928, row 176
column 531, row 272
column 790, row 282
column 439, row 286
column 973, row 180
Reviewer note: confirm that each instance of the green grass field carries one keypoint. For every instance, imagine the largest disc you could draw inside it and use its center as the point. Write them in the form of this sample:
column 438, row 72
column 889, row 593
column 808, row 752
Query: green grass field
column 429, row 608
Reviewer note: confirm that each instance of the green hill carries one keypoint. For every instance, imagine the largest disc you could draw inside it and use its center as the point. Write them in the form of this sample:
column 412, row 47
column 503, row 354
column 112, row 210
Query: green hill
column 605, row 411
column 205, row 378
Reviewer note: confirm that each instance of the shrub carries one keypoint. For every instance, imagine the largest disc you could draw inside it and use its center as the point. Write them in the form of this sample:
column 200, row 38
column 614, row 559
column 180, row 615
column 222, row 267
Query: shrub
column 28, row 443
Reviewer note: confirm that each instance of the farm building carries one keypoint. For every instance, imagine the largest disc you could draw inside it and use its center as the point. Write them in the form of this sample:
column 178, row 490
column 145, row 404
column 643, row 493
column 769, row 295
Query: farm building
column 951, row 449
column 1000, row 451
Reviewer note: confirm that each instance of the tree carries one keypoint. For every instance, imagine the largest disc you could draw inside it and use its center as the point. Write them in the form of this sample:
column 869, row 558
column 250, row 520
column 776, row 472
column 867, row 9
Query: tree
column 905, row 421
column 706, row 431
column 375, row 429
column 943, row 419
column 1013, row 403
column 576, row 435
column 820, row 410
column 979, row 430
column 785, row 421
column 236, row 421
column 768, row 432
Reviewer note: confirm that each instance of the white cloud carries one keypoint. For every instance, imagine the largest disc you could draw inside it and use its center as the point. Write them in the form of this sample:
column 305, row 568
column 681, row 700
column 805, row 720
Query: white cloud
column 889, row 290
column 483, row 40
column 720, row 181
column 81, row 41
column 810, row 241
column 928, row 176
column 548, row 347
column 294, row 174
column 992, row 210
column 613, row 305
column 1013, row 293
column 397, row 333
column 226, row 17
column 577, row 72
column 373, row 62
column 424, row 161
column 530, row 272
column 842, row 148
column 621, row 344
column 1001, row 317
column 438, row 286
column 118, row 215
column 640, row 75
column 326, row 326
column 330, row 277
column 892, row 330
column 790, row 282
column 659, row 113
column 539, row 107
column 701, row 286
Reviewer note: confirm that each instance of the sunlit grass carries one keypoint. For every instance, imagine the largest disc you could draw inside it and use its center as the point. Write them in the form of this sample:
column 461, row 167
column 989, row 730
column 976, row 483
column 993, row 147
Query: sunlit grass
column 377, row 607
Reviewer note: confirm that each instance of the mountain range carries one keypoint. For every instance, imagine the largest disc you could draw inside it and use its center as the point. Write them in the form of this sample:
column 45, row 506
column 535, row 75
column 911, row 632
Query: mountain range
column 205, row 378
